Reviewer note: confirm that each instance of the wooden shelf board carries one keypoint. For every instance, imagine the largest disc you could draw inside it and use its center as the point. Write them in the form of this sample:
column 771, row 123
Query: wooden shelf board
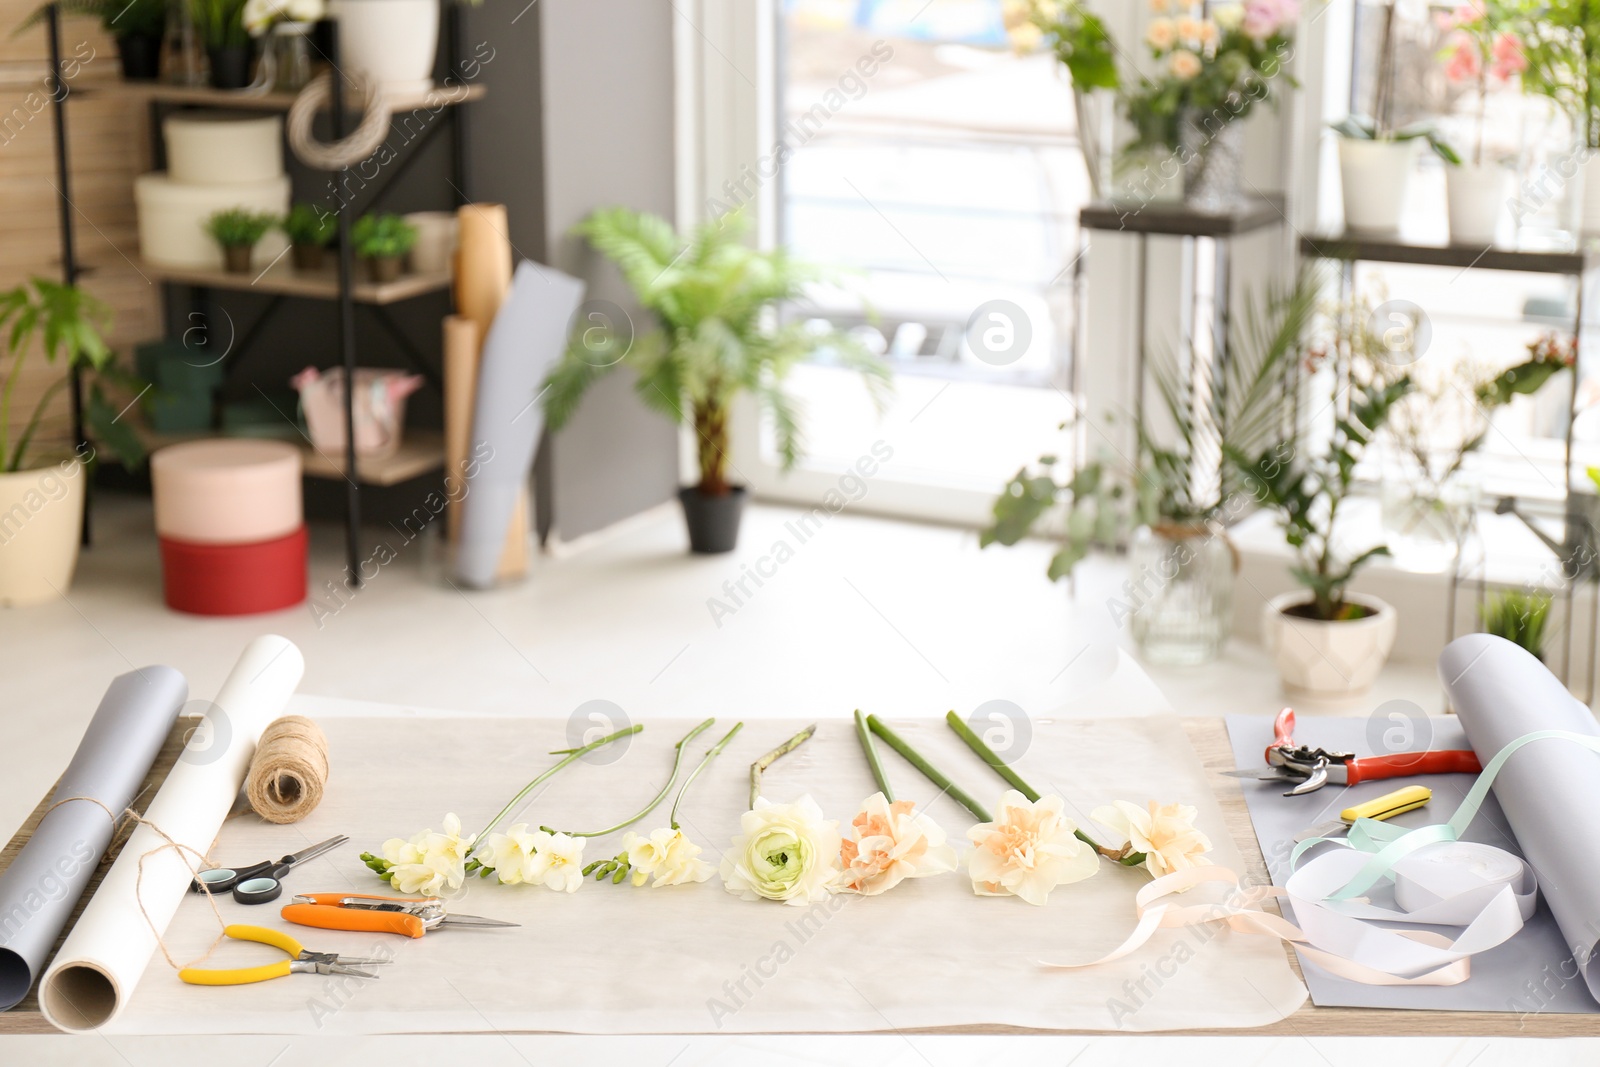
column 159, row 92
column 420, row 451
column 284, row 280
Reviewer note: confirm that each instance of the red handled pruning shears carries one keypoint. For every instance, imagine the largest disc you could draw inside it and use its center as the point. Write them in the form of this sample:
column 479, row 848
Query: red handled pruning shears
column 1312, row 768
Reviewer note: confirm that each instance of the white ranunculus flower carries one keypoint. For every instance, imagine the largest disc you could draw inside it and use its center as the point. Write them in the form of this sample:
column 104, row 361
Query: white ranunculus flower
column 1028, row 850
column 667, row 856
column 786, row 852
column 1165, row 833
column 557, row 862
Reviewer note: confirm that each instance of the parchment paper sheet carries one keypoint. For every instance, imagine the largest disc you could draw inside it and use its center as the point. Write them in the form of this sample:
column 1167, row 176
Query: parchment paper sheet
column 619, row 959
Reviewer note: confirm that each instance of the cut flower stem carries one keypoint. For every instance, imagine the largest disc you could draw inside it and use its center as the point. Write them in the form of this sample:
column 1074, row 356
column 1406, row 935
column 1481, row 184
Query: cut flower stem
column 571, row 754
column 772, row 757
column 929, row 771
column 677, row 765
column 711, row 754
column 864, row 734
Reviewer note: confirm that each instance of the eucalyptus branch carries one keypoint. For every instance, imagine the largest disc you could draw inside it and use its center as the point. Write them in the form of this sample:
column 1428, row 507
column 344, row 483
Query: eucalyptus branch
column 864, row 734
column 677, row 765
column 711, row 754
column 929, row 771
column 571, row 755
column 772, row 757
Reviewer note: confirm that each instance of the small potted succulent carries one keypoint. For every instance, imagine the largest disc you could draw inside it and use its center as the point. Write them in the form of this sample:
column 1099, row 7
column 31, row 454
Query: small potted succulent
column 1327, row 641
column 383, row 241
column 309, row 231
column 136, row 25
column 238, row 230
column 713, row 296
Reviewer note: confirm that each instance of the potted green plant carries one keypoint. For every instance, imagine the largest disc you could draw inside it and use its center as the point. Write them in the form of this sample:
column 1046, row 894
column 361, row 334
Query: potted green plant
column 1376, row 157
column 1182, row 564
column 383, row 241
column 713, row 297
column 1328, row 641
column 309, row 230
column 137, row 26
column 41, row 505
column 1520, row 616
column 220, row 24
column 1561, row 45
column 238, row 230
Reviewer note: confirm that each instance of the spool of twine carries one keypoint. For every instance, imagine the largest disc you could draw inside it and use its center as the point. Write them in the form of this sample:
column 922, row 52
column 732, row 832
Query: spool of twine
column 290, row 770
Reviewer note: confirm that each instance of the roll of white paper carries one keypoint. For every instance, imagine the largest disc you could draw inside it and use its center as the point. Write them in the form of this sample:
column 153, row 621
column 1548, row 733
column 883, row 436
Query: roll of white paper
column 97, row 968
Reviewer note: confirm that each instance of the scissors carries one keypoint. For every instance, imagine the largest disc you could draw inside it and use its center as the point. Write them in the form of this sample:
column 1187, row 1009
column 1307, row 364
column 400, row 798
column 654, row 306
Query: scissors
column 384, row 915
column 261, row 882
column 301, row 961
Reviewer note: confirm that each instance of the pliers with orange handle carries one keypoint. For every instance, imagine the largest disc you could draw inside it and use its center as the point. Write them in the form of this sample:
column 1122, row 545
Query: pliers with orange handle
column 1312, row 768
column 409, row 916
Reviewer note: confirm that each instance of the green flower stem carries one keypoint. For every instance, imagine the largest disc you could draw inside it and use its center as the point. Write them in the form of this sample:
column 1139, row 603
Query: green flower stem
column 772, row 757
column 932, row 773
column 1015, row 780
column 864, row 734
column 711, row 754
column 571, row 755
column 677, row 765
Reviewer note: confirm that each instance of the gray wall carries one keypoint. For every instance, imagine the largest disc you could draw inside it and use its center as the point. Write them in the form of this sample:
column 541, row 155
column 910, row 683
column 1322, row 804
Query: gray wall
column 607, row 77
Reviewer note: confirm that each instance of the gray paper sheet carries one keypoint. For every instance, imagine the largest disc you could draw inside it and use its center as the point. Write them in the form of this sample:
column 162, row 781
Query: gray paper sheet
column 528, row 336
column 1525, row 975
column 42, row 885
column 1549, row 790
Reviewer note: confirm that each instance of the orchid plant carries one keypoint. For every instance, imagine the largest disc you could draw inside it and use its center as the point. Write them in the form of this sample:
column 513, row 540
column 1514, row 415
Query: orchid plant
column 1480, row 51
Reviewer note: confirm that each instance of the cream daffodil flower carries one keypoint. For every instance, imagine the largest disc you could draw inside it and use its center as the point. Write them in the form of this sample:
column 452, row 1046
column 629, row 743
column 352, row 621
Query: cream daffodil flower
column 1030, row 849
column 1164, row 833
column 891, row 842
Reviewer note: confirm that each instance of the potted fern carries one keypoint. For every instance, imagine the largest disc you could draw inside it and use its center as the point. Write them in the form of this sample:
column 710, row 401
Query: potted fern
column 714, row 298
column 1326, row 640
column 41, row 504
column 1179, row 596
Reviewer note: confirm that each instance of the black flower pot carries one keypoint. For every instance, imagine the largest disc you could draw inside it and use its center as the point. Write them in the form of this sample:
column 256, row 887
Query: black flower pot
column 230, row 66
column 713, row 521
column 383, row 269
column 141, row 57
column 307, row 257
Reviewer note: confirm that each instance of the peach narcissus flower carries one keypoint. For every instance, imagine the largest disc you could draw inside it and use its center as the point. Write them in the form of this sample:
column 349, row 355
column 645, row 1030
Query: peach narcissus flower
column 891, row 842
column 1164, row 833
column 1030, row 849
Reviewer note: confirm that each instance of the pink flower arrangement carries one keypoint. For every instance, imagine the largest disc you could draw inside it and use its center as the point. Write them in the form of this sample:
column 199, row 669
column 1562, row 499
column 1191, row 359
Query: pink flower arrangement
column 1263, row 18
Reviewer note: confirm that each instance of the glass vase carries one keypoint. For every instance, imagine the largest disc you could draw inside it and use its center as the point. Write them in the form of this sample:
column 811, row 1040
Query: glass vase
column 291, row 56
column 1179, row 595
column 1212, row 155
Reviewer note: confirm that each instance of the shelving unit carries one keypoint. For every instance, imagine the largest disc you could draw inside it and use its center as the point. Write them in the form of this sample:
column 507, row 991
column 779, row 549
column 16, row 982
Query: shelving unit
column 422, row 452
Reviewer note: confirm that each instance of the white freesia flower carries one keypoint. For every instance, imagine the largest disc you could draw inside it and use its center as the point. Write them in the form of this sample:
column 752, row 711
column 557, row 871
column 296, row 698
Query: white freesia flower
column 1165, row 833
column 557, row 862
column 510, row 854
column 667, row 856
column 786, row 852
column 429, row 861
column 890, row 843
column 1028, row 850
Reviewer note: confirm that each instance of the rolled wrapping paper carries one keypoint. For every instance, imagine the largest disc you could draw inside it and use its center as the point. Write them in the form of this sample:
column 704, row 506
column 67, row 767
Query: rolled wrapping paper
column 226, row 491
column 98, row 967
column 1550, row 789
column 483, row 263
column 462, row 343
column 44, row 881
column 290, row 770
column 527, row 338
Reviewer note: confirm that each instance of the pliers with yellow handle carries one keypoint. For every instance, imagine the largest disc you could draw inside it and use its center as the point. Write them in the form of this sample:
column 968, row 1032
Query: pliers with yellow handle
column 302, row 961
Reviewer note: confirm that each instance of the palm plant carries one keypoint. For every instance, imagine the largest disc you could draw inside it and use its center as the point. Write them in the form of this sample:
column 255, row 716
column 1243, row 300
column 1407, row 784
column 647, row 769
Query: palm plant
column 714, row 298
column 119, row 18
column 1189, row 482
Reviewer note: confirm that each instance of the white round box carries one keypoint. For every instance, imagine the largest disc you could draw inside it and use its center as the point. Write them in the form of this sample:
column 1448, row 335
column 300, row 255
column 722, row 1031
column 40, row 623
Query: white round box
column 172, row 218
column 221, row 148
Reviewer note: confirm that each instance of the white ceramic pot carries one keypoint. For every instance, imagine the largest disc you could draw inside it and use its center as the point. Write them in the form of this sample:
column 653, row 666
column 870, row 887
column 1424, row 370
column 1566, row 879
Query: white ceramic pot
column 41, row 512
column 435, row 250
column 389, row 41
column 1479, row 194
column 1374, row 176
column 1589, row 221
column 1328, row 659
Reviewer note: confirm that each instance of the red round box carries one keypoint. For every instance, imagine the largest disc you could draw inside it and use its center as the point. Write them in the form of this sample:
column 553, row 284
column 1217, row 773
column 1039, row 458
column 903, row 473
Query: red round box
column 235, row 579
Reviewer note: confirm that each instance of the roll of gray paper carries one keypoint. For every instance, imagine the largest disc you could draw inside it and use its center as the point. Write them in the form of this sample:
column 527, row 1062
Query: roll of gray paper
column 1548, row 789
column 528, row 336
column 42, row 885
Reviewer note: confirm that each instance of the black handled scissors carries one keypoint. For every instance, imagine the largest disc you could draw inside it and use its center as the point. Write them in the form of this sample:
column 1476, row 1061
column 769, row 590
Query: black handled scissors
column 261, row 882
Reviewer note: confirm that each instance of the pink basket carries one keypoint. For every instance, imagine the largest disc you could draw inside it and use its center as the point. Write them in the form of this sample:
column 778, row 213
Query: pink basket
column 380, row 408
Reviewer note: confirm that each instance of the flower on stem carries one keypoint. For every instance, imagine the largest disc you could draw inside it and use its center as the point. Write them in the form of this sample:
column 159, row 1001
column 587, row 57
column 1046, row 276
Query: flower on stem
column 1161, row 34
column 1029, row 850
column 428, row 862
column 1162, row 838
column 665, row 857
column 523, row 857
column 558, row 863
column 786, row 852
column 891, row 842
column 1184, row 65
